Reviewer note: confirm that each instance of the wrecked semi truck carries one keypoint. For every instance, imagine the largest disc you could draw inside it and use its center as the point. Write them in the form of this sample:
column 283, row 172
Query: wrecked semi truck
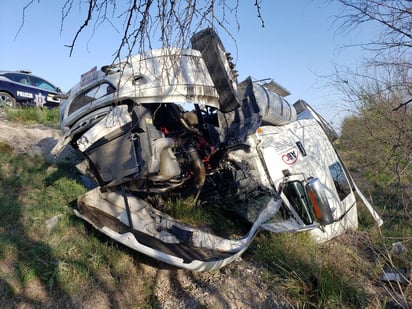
column 174, row 124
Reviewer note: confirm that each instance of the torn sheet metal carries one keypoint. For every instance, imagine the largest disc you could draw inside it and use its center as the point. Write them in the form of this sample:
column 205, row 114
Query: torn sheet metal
column 158, row 235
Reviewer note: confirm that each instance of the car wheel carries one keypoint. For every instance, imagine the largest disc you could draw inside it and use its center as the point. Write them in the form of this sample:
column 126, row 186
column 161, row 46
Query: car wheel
column 7, row 100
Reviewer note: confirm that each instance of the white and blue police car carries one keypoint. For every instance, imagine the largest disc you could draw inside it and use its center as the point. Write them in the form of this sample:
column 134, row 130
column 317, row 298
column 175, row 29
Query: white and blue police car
column 22, row 89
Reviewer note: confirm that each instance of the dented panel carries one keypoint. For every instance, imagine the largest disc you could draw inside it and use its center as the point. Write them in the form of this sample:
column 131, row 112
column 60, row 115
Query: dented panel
column 187, row 165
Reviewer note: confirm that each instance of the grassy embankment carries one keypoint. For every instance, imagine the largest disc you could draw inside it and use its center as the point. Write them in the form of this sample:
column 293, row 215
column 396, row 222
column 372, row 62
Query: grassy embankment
column 47, row 254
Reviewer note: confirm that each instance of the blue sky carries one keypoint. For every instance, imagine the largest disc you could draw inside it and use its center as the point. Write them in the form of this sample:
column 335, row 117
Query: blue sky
column 298, row 46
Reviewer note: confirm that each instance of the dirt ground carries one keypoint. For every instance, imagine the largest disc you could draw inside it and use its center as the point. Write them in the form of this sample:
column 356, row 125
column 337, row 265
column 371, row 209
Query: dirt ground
column 31, row 139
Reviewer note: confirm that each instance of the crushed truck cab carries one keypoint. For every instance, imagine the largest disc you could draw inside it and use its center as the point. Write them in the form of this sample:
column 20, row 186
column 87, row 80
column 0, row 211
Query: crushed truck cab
column 173, row 126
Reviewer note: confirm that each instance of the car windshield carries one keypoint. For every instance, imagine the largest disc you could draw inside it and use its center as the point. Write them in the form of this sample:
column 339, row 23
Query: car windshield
column 41, row 83
column 91, row 95
column 31, row 81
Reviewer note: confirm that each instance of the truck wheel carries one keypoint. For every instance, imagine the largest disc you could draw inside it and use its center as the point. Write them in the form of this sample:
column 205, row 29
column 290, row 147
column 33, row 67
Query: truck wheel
column 7, row 100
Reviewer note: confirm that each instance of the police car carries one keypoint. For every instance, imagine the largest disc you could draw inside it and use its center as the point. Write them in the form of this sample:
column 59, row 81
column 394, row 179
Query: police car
column 21, row 88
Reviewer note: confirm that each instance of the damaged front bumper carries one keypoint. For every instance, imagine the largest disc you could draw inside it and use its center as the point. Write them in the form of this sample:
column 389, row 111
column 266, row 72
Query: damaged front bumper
column 134, row 223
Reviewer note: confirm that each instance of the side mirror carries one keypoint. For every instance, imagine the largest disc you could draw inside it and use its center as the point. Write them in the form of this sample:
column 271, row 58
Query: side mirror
column 320, row 205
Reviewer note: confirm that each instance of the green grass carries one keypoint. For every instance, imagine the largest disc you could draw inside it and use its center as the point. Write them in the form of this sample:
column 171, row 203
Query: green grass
column 34, row 115
column 68, row 260
column 205, row 215
column 308, row 273
column 71, row 261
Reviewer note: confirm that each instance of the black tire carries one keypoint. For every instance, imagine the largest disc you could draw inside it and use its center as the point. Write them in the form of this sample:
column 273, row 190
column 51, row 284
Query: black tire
column 7, row 100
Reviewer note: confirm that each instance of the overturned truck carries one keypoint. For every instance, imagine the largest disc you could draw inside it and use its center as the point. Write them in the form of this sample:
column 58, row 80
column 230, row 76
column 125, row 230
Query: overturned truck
column 174, row 126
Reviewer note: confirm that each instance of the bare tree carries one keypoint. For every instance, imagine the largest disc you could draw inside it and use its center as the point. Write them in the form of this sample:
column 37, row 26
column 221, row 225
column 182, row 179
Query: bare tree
column 394, row 41
column 377, row 140
column 143, row 22
column 394, row 18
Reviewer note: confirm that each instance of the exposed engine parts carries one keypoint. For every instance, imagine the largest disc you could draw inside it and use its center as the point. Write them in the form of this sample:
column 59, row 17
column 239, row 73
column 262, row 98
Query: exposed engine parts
column 175, row 124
